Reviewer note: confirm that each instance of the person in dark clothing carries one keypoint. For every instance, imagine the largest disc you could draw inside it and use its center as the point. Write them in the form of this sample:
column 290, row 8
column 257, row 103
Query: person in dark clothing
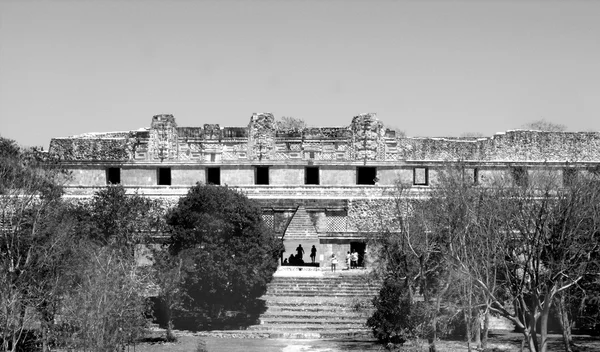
column 300, row 252
column 313, row 254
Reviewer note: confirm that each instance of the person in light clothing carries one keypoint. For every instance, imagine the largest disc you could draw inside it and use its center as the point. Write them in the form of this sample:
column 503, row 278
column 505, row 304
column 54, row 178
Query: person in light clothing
column 334, row 262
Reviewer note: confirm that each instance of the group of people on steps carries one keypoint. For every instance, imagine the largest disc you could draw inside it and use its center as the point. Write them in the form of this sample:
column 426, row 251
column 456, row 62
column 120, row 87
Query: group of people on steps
column 297, row 259
column 351, row 260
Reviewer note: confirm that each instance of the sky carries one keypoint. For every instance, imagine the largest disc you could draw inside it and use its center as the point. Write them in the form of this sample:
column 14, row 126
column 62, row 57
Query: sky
column 430, row 68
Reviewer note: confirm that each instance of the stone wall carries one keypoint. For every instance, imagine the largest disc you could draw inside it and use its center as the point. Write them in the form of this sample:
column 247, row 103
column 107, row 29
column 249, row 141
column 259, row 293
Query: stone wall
column 366, row 139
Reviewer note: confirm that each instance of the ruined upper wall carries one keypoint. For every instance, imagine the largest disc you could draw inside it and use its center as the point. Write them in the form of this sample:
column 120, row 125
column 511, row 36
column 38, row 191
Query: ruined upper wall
column 365, row 139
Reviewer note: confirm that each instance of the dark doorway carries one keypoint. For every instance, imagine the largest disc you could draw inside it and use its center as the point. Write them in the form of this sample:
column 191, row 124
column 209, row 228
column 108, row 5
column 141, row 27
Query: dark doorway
column 164, row 176
column 262, row 175
column 311, row 176
column 360, row 248
column 213, row 176
column 113, row 175
column 366, row 175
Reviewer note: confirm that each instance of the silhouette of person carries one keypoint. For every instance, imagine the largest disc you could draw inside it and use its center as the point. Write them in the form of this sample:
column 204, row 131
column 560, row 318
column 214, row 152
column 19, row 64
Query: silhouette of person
column 285, row 261
column 313, row 254
column 292, row 260
column 300, row 251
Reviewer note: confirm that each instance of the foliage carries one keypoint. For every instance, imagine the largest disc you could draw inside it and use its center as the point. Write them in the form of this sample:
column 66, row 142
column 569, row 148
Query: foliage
column 396, row 318
column 228, row 254
column 106, row 308
column 514, row 251
column 413, row 255
column 29, row 198
column 546, row 126
column 120, row 220
column 65, row 267
column 291, row 123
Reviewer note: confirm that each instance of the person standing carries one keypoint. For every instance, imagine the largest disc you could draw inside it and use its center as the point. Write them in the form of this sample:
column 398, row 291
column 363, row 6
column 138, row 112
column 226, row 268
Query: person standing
column 313, row 254
column 334, row 262
column 354, row 260
column 348, row 258
column 300, row 252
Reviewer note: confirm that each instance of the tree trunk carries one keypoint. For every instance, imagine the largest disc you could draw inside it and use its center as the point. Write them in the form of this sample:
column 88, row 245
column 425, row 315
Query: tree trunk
column 544, row 329
column 565, row 323
column 169, row 317
column 486, row 329
column 468, row 322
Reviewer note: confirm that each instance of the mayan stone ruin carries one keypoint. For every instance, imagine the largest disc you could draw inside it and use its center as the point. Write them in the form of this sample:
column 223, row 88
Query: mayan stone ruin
column 314, row 184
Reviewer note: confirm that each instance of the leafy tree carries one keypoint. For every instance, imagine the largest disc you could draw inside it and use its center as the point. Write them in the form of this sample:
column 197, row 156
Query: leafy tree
column 291, row 123
column 228, row 254
column 106, row 309
column 546, row 126
column 29, row 194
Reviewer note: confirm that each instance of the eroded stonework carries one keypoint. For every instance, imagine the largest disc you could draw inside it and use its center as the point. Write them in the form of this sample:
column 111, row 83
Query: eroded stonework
column 365, row 139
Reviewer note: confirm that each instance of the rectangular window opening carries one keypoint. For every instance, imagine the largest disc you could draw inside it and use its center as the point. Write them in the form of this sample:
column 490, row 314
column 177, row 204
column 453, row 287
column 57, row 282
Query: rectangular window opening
column 569, row 177
column 520, row 176
column 366, row 175
column 164, row 176
column 262, row 175
column 311, row 176
column 421, row 176
column 113, row 176
column 213, row 175
column 472, row 175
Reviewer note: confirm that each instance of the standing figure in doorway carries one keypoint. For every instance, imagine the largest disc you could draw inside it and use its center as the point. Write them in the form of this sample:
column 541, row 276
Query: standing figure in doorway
column 300, row 252
column 354, row 260
column 313, row 254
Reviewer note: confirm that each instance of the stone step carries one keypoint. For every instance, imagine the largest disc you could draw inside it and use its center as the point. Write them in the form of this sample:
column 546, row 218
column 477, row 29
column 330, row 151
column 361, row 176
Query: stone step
column 322, row 289
column 275, row 334
column 322, row 285
column 283, row 309
column 320, row 315
column 305, row 327
column 295, row 293
column 352, row 321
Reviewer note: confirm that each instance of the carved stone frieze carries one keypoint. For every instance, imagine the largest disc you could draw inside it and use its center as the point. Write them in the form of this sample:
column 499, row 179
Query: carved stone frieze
column 262, row 136
column 367, row 137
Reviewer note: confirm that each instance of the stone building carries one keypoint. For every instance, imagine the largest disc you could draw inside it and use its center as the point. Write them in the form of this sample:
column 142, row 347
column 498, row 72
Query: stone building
column 311, row 182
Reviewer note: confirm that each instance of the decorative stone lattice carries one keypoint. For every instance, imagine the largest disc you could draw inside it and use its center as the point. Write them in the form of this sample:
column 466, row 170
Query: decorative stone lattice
column 336, row 223
column 269, row 221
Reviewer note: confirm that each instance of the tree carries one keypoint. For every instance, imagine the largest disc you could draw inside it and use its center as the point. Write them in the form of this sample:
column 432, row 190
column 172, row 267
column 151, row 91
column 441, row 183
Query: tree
column 107, row 306
column 29, row 193
column 228, row 254
column 291, row 123
column 545, row 241
column 546, row 126
column 413, row 258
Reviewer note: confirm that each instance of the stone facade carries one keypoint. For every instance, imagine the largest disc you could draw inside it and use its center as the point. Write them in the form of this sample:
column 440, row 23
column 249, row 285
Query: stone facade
column 333, row 174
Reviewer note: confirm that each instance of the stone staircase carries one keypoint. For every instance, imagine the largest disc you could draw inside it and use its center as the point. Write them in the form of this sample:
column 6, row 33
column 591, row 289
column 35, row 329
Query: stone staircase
column 300, row 227
column 325, row 305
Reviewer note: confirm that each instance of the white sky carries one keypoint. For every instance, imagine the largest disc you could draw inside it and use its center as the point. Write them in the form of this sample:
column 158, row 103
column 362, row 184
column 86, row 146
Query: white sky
column 429, row 68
